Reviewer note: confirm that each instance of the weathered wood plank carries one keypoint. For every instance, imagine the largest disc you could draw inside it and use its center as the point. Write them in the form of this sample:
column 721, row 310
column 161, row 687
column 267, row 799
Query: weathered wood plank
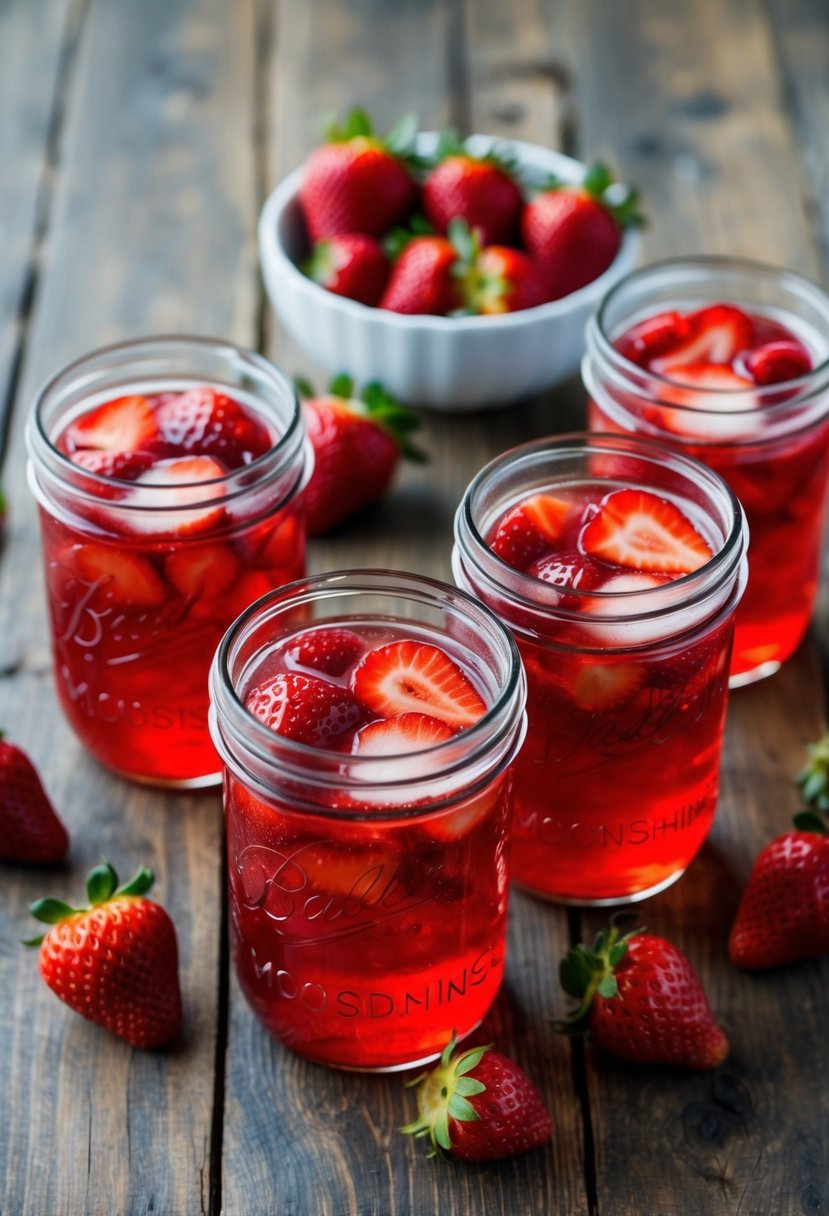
column 35, row 42
column 687, row 103
column 151, row 229
column 302, row 1130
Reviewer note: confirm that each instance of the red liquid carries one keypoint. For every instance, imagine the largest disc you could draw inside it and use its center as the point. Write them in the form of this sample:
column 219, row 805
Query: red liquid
column 363, row 943
column 782, row 485
column 616, row 784
column 136, row 619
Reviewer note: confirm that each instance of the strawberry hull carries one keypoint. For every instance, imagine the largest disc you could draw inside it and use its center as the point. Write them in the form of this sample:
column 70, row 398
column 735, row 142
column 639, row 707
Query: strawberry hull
column 145, row 572
column 368, row 871
column 627, row 671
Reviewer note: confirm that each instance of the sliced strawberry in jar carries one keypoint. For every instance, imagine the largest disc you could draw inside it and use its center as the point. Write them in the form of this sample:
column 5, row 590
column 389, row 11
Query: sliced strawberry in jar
column 655, row 336
column 777, row 362
column 717, row 334
column 198, row 571
column 459, row 820
column 191, row 502
column 641, row 531
column 305, row 708
column 329, row 650
column 410, row 676
column 408, row 732
column 599, row 685
column 125, row 424
column 206, row 422
column 122, row 577
column 530, row 529
column 120, row 466
column 716, row 402
column 569, row 570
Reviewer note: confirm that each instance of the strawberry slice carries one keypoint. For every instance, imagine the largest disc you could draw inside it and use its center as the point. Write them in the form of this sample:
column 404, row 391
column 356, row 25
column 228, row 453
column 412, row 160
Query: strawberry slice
column 120, row 466
column 777, row 362
column 408, row 732
column 530, row 529
column 601, row 686
column 332, row 651
column 642, row 531
column 409, row 676
column 192, row 482
column 305, row 708
column 202, row 571
column 463, row 818
column 568, row 569
column 654, row 336
column 125, row 424
column 205, row 422
column 122, row 577
column 717, row 334
column 716, row 402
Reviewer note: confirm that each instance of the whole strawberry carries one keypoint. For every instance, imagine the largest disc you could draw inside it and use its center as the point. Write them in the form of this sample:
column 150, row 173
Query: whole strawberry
column 478, row 189
column 500, row 279
column 479, row 1106
column 641, row 1000
column 424, row 278
column 30, row 830
column 357, row 182
column 574, row 232
column 352, row 265
column 115, row 961
column 357, row 442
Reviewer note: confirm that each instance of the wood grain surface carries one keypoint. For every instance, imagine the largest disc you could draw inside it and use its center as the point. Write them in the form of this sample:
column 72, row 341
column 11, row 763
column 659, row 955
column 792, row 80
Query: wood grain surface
column 142, row 141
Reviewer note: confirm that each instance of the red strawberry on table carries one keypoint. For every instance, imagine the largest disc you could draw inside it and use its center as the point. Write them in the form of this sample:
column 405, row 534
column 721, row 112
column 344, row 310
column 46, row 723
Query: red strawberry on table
column 479, row 1105
column 423, row 279
column 478, row 189
column 357, row 442
column 408, row 676
column 641, row 1000
column 357, row 182
column 116, row 960
column 642, row 531
column 574, row 232
column 351, row 264
column 30, row 830
column 783, row 915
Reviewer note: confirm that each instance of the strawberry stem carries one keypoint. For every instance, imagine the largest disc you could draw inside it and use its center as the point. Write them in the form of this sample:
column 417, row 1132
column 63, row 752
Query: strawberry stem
column 813, row 779
column 585, row 974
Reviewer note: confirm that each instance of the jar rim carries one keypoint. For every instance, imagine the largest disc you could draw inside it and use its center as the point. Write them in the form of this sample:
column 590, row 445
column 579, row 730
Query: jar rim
column 159, row 497
column 532, row 594
column 493, row 732
column 799, row 389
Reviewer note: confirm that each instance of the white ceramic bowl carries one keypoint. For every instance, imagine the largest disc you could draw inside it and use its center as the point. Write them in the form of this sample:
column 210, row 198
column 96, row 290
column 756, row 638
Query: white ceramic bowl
column 447, row 363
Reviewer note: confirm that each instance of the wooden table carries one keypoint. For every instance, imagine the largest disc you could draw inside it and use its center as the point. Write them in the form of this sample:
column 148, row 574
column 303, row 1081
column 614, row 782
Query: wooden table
column 137, row 142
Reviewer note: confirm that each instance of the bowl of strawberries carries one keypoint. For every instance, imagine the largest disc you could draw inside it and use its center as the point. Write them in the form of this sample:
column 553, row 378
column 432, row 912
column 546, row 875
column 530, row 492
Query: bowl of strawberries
column 460, row 273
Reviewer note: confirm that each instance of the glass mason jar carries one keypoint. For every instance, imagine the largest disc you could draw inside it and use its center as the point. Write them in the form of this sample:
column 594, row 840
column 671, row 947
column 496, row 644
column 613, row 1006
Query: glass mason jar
column 143, row 580
column 368, row 894
column 770, row 443
column 617, row 782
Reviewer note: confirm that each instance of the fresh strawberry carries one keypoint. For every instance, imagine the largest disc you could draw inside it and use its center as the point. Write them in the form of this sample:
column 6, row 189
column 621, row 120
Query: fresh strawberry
column 357, row 444
column 654, row 336
column 191, row 502
column 123, row 577
column 642, row 531
column 305, row 708
column 409, row 676
column 120, row 466
column 125, row 424
column 641, row 1000
column 115, row 961
column 478, row 189
column 530, row 529
column 716, row 334
column 352, row 265
column 573, row 232
column 204, row 422
column 424, row 278
column 407, row 732
column 329, row 650
column 202, row 571
column 358, row 182
column 502, row 280
column 568, row 570
column 478, row 1105
column 30, row 830
column 777, row 362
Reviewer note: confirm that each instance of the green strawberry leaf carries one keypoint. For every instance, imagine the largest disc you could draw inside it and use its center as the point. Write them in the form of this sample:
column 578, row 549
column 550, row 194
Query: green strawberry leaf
column 304, row 387
column 357, row 123
column 607, row 986
column 342, row 386
column 810, row 821
column 467, row 1086
column 574, row 972
column 399, row 140
column 462, row 1110
column 139, row 884
column 51, row 911
column 469, row 1060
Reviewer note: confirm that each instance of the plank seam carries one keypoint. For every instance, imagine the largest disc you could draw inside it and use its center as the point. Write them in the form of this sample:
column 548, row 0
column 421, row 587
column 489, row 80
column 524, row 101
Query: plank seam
column 67, row 58
column 222, row 1031
column 578, row 1063
column 265, row 23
